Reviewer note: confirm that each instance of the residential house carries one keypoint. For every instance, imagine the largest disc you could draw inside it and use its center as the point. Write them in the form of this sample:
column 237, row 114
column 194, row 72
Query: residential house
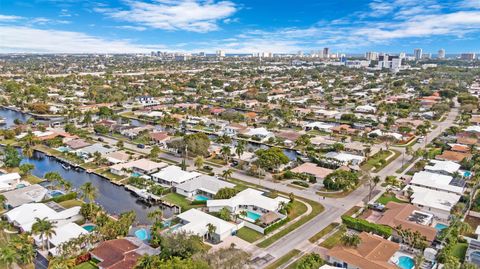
column 121, row 253
column 438, row 203
column 442, row 167
column 160, row 139
column 25, row 195
column 437, row 182
column 206, row 186
column 312, row 169
column 9, row 181
column 140, row 166
column 63, row 234
column 453, row 156
column 173, row 175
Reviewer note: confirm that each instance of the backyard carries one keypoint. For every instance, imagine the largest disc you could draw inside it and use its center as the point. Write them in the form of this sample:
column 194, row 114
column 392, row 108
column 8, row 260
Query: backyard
column 248, row 234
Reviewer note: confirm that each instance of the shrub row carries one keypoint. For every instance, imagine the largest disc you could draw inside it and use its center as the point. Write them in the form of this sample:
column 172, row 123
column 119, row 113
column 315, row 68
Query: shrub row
column 365, row 226
column 65, row 197
column 275, row 226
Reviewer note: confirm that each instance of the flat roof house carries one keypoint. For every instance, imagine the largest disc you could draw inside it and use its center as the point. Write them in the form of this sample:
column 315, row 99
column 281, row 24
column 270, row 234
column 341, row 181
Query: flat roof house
column 248, row 200
column 438, row 203
column 203, row 185
column 9, row 181
column 141, row 166
column 173, row 175
column 312, row 169
column 442, row 167
column 24, row 216
column 25, row 195
column 89, row 151
column 437, row 182
column 196, row 222
column 373, row 252
column 345, row 158
column 63, row 233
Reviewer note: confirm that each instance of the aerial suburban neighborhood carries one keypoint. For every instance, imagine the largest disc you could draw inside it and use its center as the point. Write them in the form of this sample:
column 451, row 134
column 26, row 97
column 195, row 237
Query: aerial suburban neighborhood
column 192, row 160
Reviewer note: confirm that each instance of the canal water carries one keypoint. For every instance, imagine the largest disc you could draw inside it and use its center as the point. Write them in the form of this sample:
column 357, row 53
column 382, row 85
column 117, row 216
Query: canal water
column 10, row 116
column 114, row 199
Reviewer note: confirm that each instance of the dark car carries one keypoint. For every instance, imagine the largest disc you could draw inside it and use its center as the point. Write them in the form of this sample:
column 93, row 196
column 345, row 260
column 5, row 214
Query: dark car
column 140, row 146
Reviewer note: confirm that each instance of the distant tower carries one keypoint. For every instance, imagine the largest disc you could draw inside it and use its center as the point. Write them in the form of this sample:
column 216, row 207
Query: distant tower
column 441, row 54
column 418, row 54
column 326, row 52
column 220, row 53
column 371, row 56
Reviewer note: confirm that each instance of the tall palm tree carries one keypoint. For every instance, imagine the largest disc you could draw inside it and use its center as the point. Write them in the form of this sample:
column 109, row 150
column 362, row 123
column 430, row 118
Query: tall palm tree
column 226, row 174
column 45, row 229
column 226, row 152
column 8, row 255
column 240, row 149
column 418, row 260
column 155, row 215
column 27, row 151
column 88, row 192
column 210, row 230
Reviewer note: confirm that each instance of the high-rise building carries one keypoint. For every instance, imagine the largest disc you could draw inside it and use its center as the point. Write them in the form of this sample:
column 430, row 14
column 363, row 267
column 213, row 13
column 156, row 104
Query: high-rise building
column 371, row 56
column 468, row 56
column 441, row 54
column 220, row 53
column 392, row 62
column 300, row 53
column 418, row 54
column 326, row 52
column 402, row 55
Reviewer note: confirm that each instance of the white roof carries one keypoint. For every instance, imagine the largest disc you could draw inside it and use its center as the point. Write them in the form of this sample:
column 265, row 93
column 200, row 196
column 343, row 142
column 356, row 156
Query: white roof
column 65, row 233
column 344, row 157
column 259, row 131
column 28, row 194
column 475, row 128
column 447, row 166
column 432, row 198
column 198, row 221
column 175, row 174
column 319, row 125
column 249, row 197
column 205, row 183
column 24, row 215
column 9, row 177
column 435, row 180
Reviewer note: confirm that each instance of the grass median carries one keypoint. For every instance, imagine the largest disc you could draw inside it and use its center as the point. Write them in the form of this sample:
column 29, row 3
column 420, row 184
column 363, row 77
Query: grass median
column 284, row 259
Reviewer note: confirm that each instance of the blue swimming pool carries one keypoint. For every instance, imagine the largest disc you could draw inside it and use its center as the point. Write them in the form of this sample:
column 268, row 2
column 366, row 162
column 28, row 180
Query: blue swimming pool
column 135, row 174
column 142, row 234
column 253, row 215
column 405, row 262
column 19, row 186
column 89, row 227
column 201, row 198
column 56, row 193
column 63, row 149
column 440, row 226
column 467, row 174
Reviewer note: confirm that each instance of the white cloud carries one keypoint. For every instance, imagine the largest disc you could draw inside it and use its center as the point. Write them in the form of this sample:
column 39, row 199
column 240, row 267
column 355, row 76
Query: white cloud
column 190, row 15
column 9, row 18
column 131, row 27
column 45, row 21
column 30, row 40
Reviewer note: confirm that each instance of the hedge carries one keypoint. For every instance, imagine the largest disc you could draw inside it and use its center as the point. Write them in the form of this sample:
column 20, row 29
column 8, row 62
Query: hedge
column 199, row 202
column 65, row 197
column 275, row 226
column 301, row 183
column 365, row 226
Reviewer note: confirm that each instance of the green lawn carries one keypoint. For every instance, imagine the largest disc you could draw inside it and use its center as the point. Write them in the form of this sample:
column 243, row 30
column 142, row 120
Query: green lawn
column 323, row 232
column 377, row 161
column 334, row 239
column 459, row 251
column 352, row 211
column 86, row 265
column 248, row 234
column 71, row 203
column 316, row 209
column 385, row 198
column 175, row 198
column 284, row 259
column 112, row 177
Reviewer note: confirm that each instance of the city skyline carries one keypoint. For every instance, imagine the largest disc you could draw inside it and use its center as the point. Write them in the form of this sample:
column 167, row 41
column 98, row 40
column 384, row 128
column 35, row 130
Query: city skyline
column 355, row 27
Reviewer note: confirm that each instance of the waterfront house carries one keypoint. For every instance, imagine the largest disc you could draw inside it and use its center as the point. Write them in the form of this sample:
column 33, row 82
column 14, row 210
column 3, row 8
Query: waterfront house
column 117, row 157
column 9, row 181
column 261, row 133
column 76, row 144
column 140, row 166
column 345, row 158
column 373, row 252
column 174, row 175
column 196, row 222
column 24, row 216
column 89, row 151
column 63, row 233
column 206, row 186
column 25, row 195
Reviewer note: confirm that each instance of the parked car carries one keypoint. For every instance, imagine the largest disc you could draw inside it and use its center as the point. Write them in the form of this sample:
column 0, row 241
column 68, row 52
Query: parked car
column 377, row 207
column 101, row 139
column 140, row 146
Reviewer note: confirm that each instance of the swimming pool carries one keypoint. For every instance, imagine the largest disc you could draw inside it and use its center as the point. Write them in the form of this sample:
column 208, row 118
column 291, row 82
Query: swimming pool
column 253, row 215
column 63, row 149
column 467, row 174
column 175, row 227
column 135, row 174
column 56, row 193
column 440, row 226
column 201, row 198
column 405, row 262
column 21, row 185
column 142, row 234
column 89, row 227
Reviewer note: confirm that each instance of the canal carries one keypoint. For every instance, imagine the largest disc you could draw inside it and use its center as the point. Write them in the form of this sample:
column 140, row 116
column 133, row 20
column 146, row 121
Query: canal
column 10, row 116
column 114, row 199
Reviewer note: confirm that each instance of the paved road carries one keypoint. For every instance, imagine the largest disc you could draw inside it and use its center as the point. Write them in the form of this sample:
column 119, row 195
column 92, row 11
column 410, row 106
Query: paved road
column 334, row 207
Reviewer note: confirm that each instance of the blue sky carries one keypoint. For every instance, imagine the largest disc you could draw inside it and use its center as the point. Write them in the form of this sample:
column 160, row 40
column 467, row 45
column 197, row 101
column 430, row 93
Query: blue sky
column 239, row 26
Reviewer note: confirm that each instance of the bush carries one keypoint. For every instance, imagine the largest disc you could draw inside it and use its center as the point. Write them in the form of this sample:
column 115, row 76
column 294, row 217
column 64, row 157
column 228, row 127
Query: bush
column 275, row 226
column 365, row 226
column 198, row 202
column 65, row 197
column 301, row 183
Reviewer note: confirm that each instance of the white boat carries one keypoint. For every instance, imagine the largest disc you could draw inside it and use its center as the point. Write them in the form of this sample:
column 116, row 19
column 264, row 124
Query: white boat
column 66, row 166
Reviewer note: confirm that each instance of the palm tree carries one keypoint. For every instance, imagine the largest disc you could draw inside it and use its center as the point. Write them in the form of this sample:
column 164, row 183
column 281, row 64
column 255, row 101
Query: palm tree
column 45, row 229
column 226, row 152
column 199, row 161
column 155, row 215
column 3, row 199
column 350, row 240
column 27, row 151
column 88, row 192
column 210, row 230
column 8, row 255
column 226, row 174
column 418, row 260
column 243, row 213
column 240, row 149
column 372, row 183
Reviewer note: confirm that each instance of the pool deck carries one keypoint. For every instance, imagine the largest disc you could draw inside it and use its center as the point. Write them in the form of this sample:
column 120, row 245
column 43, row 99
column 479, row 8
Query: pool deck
column 395, row 258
